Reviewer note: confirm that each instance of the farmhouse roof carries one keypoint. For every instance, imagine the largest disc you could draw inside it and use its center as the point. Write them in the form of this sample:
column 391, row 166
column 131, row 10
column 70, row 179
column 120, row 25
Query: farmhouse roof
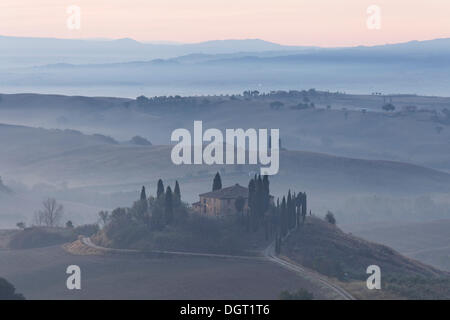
column 232, row 192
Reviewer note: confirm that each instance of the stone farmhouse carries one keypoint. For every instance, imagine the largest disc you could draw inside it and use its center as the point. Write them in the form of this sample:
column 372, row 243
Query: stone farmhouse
column 221, row 202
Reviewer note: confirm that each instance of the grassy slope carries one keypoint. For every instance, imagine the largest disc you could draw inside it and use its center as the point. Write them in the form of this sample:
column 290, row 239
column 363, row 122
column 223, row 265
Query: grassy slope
column 325, row 248
column 426, row 241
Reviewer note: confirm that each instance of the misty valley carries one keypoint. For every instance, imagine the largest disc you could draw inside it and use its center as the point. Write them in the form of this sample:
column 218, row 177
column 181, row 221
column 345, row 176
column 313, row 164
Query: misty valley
column 363, row 180
column 225, row 169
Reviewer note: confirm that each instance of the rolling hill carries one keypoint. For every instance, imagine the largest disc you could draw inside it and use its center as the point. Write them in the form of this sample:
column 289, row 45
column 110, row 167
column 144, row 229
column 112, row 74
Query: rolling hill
column 340, row 124
column 323, row 247
column 425, row 241
column 57, row 156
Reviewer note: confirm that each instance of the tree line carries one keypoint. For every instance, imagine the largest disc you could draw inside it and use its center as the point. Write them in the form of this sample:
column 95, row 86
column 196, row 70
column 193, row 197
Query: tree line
column 153, row 212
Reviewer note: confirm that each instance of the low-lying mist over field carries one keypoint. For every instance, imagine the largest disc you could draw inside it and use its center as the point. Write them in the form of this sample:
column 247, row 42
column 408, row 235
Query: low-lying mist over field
column 351, row 156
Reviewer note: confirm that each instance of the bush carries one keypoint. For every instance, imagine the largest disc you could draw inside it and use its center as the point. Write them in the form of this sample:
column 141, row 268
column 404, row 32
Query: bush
column 21, row 225
column 142, row 100
column 300, row 294
column 330, row 218
column 140, row 141
column 8, row 291
column 388, row 107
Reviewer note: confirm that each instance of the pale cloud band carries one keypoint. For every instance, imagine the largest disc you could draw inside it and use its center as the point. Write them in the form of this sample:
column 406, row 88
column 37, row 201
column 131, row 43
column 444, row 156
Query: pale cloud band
column 307, row 22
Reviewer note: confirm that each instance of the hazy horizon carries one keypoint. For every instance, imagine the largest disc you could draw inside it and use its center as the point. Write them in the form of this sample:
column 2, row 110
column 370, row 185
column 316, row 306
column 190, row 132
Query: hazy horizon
column 179, row 43
column 328, row 23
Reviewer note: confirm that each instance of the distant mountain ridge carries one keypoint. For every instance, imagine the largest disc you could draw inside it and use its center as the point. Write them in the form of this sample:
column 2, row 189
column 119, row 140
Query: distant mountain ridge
column 79, row 51
column 129, row 68
column 46, row 50
column 274, row 53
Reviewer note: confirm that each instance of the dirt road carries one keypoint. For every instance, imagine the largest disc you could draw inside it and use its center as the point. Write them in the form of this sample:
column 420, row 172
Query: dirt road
column 339, row 292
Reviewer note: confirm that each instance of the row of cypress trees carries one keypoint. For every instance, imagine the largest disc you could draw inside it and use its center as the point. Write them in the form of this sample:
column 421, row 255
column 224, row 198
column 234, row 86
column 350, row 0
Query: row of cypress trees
column 162, row 207
column 258, row 201
column 278, row 219
column 291, row 211
column 289, row 215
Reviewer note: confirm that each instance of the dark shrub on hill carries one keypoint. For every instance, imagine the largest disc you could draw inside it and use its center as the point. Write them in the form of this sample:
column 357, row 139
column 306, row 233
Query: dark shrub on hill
column 388, row 107
column 8, row 291
column 105, row 139
column 140, row 141
column 38, row 237
column 330, row 218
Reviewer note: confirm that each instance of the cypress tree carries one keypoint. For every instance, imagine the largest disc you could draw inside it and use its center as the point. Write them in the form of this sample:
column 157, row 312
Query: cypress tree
column 160, row 189
column 304, row 202
column 217, row 182
column 144, row 200
column 251, row 199
column 143, row 195
column 304, row 207
column 283, row 216
column 168, row 207
column 297, row 209
column 293, row 210
column 259, row 197
column 289, row 210
column 177, row 191
column 251, row 194
column 266, row 192
column 277, row 220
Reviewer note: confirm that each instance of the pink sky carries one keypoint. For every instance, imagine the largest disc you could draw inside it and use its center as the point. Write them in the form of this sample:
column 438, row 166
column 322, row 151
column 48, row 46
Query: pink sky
column 295, row 22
